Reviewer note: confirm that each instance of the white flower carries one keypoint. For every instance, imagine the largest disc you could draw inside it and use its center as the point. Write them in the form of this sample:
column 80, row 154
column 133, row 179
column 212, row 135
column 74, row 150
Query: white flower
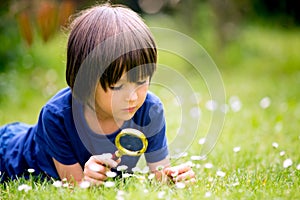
column 220, row 173
column 24, row 187
column 120, row 193
column 287, row 163
column 265, row 102
column 122, row 168
column 85, row 184
column 109, row 184
column 282, row 153
column 119, row 198
column 195, row 112
column 298, row 167
column 57, row 184
column 180, row 185
column 136, row 170
column 111, row 174
column 146, row 191
column 65, row 185
column 126, row 175
column 161, row 194
column 236, row 149
column 201, row 140
column 30, row 170
column 211, row 105
column 145, row 170
column 275, row 145
column 198, row 157
column 235, row 184
column 190, row 163
column 207, row 194
column 64, row 180
column 208, row 165
column 151, row 176
column 235, row 103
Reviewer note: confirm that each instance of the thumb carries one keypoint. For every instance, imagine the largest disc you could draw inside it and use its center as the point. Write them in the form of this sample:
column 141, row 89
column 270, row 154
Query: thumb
column 106, row 159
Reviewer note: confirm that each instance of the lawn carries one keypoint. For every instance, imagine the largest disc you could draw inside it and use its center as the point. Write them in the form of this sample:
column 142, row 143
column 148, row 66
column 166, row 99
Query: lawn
column 257, row 153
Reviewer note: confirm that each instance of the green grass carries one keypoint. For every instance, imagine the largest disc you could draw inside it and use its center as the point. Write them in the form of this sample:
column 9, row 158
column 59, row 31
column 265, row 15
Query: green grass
column 261, row 62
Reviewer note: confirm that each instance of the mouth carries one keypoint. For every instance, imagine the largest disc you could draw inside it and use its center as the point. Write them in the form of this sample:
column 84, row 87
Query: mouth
column 130, row 109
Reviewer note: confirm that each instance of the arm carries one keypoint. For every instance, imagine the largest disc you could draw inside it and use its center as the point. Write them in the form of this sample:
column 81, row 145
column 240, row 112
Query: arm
column 73, row 173
column 94, row 169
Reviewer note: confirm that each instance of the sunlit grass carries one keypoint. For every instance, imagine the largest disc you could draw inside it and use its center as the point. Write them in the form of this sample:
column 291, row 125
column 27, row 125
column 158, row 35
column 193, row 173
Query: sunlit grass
column 257, row 155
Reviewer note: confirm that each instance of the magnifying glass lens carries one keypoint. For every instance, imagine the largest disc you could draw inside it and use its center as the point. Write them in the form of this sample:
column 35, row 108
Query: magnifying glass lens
column 131, row 143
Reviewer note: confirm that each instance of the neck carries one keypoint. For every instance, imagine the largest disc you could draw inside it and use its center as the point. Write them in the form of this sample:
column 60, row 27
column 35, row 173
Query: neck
column 100, row 124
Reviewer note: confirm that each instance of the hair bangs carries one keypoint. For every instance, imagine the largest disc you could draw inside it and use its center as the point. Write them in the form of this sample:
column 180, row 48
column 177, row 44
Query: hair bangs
column 138, row 64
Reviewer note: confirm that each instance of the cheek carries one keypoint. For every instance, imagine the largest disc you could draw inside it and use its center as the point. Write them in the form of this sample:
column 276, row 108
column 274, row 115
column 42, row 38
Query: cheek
column 142, row 91
column 116, row 97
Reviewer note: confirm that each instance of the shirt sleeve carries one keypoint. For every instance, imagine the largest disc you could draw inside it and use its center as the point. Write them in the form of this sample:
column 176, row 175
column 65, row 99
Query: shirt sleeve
column 157, row 147
column 157, row 141
column 54, row 137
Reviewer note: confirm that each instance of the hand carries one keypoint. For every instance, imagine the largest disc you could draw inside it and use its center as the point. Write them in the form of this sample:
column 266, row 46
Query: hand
column 96, row 167
column 180, row 173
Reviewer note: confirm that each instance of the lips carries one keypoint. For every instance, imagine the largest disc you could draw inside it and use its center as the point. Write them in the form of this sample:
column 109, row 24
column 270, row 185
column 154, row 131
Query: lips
column 130, row 109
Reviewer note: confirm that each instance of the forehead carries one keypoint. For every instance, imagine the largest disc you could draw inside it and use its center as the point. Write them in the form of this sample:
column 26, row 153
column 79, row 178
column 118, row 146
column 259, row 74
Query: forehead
column 124, row 78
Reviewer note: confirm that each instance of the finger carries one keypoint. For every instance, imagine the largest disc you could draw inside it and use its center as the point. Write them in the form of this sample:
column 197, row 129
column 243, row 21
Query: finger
column 95, row 175
column 192, row 181
column 106, row 159
column 176, row 170
column 96, row 171
column 186, row 176
column 93, row 181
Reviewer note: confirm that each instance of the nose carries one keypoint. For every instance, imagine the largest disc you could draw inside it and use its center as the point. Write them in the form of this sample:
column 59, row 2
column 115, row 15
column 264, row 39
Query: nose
column 132, row 96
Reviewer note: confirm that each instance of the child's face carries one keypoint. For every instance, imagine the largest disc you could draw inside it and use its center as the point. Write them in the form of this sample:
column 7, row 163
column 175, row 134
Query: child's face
column 121, row 100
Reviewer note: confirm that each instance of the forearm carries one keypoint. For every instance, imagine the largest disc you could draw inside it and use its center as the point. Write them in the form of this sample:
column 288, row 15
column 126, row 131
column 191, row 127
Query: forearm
column 73, row 173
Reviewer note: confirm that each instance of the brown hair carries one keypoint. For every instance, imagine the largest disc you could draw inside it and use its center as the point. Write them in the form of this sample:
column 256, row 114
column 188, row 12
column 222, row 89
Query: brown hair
column 106, row 41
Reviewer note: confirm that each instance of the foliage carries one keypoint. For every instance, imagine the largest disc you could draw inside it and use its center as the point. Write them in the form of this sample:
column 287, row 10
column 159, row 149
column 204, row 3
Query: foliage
column 257, row 155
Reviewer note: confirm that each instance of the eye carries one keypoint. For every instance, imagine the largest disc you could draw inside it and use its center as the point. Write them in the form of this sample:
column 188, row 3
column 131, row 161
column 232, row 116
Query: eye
column 116, row 87
column 141, row 82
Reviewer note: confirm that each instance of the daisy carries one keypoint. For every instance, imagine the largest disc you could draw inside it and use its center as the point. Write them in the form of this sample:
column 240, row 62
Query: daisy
column 236, row 149
column 122, row 168
column 220, row 173
column 111, row 174
column 85, row 184
column 208, row 165
column 109, row 184
column 30, row 170
column 287, row 163
column 57, row 184
column 24, row 187
column 180, row 185
column 275, row 145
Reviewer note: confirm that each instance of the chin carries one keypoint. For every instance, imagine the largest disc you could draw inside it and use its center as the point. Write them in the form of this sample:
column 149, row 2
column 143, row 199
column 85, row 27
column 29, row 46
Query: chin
column 127, row 116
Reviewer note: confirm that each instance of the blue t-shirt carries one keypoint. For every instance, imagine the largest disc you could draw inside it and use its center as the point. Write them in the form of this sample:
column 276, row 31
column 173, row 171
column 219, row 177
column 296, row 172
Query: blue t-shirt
column 62, row 133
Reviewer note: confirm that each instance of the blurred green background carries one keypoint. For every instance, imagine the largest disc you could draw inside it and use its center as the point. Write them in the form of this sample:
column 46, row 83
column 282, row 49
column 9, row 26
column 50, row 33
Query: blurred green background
column 255, row 45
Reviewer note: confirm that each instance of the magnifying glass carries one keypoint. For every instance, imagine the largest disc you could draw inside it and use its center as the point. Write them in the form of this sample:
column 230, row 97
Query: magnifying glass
column 131, row 142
